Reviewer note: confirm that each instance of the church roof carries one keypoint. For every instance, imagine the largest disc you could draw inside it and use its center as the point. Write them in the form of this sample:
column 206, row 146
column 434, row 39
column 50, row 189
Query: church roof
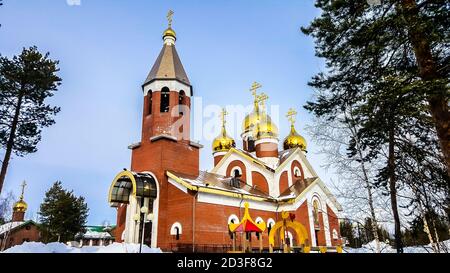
column 14, row 225
column 211, row 182
column 168, row 67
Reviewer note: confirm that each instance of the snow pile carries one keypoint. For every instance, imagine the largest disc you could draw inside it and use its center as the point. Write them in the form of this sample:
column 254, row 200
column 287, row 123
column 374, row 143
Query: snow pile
column 35, row 247
column 385, row 248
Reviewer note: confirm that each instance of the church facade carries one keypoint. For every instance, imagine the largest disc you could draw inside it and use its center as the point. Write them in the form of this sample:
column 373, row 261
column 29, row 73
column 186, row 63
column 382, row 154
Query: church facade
column 165, row 201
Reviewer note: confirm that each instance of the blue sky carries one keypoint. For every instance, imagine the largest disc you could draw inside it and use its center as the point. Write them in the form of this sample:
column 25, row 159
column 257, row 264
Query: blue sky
column 106, row 49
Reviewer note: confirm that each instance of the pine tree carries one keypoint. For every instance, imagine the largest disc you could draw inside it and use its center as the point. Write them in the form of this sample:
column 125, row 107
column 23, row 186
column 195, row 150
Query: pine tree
column 26, row 81
column 373, row 67
column 62, row 214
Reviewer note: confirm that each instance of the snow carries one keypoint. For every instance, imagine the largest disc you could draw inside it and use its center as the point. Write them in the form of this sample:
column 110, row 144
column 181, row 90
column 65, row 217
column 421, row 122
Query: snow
column 8, row 226
column 96, row 235
column 36, row 247
column 385, row 248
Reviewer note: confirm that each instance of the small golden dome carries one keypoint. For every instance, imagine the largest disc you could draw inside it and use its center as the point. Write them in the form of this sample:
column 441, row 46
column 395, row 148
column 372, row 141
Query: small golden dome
column 294, row 140
column 169, row 32
column 223, row 143
column 20, row 206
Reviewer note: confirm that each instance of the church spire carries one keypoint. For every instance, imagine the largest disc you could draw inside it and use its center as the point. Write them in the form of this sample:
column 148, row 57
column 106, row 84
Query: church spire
column 20, row 207
column 168, row 65
column 169, row 35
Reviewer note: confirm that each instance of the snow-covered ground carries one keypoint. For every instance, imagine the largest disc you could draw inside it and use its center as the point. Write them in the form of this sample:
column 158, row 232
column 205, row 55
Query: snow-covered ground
column 385, row 248
column 35, row 247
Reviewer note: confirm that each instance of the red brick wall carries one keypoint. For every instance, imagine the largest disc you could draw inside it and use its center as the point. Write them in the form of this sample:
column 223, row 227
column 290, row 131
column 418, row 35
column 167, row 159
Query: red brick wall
column 18, row 216
column 284, row 182
column 120, row 225
column 302, row 216
column 18, row 236
column 266, row 149
column 260, row 181
column 241, row 165
column 217, row 159
column 334, row 224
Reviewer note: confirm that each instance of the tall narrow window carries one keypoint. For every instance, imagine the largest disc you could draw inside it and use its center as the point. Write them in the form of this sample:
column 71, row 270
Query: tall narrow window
column 177, row 235
column 181, row 98
column 165, row 96
column 316, row 214
column 150, row 102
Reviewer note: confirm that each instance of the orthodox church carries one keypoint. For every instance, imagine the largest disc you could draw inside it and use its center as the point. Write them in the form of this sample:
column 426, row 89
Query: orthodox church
column 165, row 201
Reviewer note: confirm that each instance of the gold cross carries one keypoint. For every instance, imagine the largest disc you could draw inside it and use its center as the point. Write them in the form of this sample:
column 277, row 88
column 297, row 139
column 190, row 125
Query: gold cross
column 169, row 17
column 255, row 87
column 291, row 115
column 24, row 183
column 261, row 99
column 223, row 114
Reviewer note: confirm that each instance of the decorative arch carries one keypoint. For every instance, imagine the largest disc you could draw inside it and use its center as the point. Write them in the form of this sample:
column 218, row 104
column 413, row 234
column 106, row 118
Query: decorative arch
column 234, row 169
column 240, row 164
column 233, row 219
column 260, row 182
column 174, row 227
column 164, row 104
column 127, row 184
column 259, row 220
column 284, row 184
column 270, row 223
column 296, row 165
column 283, row 225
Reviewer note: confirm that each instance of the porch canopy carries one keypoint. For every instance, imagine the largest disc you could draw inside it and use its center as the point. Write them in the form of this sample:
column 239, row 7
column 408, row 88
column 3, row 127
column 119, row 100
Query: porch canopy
column 128, row 183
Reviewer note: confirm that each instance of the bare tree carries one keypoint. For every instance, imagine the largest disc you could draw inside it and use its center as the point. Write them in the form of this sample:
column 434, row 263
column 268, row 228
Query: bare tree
column 359, row 196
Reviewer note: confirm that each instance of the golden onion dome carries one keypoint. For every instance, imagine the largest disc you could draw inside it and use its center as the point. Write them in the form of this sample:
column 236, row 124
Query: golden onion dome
column 265, row 128
column 251, row 120
column 20, row 206
column 223, row 143
column 169, row 32
column 294, row 140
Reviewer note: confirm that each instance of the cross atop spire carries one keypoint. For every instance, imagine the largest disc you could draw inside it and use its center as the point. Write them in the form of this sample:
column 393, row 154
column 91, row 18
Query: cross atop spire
column 23, row 185
column 169, row 17
column 291, row 114
column 261, row 99
column 254, row 88
column 223, row 115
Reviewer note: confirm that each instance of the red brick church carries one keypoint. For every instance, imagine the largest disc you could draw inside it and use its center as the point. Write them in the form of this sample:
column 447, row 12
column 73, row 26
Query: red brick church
column 175, row 206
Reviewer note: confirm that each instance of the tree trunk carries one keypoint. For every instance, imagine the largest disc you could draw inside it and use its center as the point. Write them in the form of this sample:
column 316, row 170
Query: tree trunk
column 438, row 101
column 10, row 143
column 374, row 223
column 393, row 190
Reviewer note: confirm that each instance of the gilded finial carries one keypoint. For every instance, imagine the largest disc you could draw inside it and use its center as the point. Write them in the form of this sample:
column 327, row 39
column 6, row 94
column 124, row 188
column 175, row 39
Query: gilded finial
column 261, row 99
column 223, row 114
column 254, row 88
column 24, row 184
column 291, row 114
column 169, row 18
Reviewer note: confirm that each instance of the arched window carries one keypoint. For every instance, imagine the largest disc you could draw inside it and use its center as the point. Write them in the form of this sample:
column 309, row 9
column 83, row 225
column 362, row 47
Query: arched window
column 181, row 99
column 297, row 172
column 176, row 230
column 237, row 173
column 165, row 100
column 316, row 214
column 270, row 224
column 150, row 102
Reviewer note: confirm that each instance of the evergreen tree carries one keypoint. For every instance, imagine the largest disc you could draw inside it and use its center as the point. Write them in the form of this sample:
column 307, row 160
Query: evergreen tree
column 26, row 81
column 62, row 214
column 373, row 68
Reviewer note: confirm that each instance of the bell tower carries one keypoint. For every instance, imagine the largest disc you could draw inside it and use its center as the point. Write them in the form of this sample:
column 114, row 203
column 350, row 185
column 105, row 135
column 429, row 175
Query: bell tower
column 165, row 139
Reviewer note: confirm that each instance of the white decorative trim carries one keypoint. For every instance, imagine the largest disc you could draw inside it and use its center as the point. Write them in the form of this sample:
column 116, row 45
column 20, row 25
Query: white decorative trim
column 236, row 168
column 259, row 220
column 173, row 85
column 270, row 222
column 335, row 234
column 173, row 230
column 219, row 153
column 233, row 217
column 266, row 140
